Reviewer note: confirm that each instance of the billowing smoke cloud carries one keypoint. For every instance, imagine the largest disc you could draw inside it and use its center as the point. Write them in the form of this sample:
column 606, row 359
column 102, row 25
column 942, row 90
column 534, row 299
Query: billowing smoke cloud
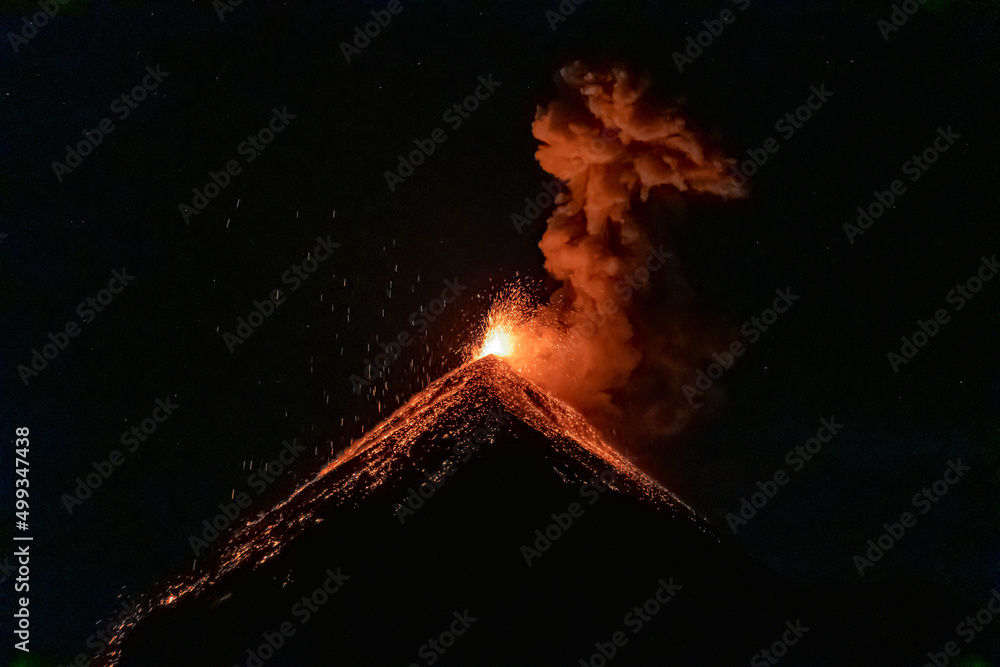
column 612, row 150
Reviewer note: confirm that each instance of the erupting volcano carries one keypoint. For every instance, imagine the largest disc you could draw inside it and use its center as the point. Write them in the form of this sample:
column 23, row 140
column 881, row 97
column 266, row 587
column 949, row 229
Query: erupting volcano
column 463, row 411
column 516, row 454
column 483, row 495
column 488, row 521
column 612, row 150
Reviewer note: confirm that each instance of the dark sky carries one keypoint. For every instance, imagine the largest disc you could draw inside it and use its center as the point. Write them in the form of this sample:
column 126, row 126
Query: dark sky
column 322, row 176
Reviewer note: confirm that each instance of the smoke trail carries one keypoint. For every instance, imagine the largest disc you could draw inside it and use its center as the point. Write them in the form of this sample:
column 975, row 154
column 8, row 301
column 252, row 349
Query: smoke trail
column 610, row 148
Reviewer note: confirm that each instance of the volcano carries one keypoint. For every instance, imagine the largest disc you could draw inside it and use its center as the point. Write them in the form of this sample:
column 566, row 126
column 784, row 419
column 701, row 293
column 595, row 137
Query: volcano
column 485, row 522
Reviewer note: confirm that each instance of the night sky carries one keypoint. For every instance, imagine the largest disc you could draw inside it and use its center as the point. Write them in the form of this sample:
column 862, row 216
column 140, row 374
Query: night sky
column 168, row 285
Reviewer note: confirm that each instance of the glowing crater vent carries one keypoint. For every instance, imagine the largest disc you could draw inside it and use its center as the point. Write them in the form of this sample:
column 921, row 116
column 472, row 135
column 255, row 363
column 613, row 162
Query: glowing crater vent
column 499, row 341
column 504, row 329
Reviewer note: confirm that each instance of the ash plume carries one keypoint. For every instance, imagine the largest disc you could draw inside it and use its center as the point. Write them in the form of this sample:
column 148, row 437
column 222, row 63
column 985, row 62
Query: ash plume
column 612, row 150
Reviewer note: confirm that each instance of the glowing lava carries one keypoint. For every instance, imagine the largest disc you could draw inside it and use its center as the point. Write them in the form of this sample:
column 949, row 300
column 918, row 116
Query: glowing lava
column 505, row 326
column 499, row 341
column 501, row 332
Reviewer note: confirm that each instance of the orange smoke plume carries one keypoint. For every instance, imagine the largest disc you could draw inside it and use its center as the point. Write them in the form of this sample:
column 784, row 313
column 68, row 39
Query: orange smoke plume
column 610, row 149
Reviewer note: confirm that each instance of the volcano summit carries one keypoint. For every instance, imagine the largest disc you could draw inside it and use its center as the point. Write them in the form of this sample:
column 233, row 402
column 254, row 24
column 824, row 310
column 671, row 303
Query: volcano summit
column 487, row 523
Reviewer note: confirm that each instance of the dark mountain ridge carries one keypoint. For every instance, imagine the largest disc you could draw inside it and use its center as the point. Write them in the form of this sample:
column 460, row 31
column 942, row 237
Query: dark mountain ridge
column 485, row 498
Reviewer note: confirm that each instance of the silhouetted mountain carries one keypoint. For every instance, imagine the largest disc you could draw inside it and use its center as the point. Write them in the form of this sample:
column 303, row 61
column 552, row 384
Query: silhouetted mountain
column 539, row 546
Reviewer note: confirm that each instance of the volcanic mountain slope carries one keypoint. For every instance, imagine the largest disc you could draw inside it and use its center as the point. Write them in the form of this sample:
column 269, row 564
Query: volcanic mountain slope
column 484, row 498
